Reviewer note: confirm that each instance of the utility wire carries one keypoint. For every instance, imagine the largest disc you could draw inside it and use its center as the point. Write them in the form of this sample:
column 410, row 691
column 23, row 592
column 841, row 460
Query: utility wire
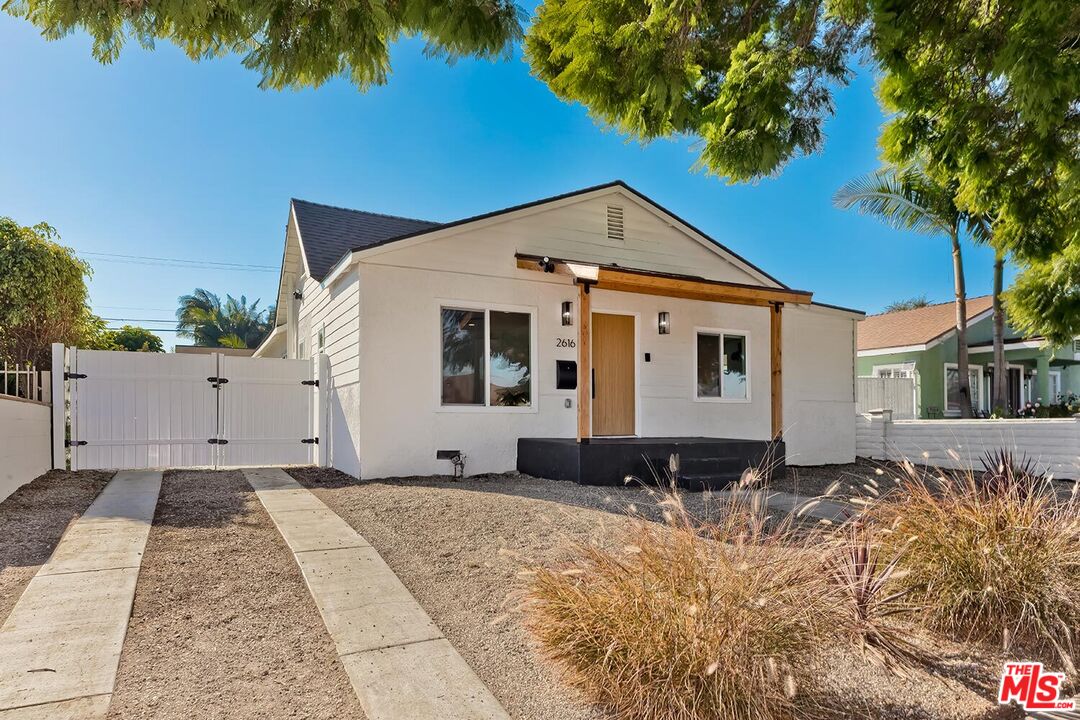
column 149, row 320
column 175, row 262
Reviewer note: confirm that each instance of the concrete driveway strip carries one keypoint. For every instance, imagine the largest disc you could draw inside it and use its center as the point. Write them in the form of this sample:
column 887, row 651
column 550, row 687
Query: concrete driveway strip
column 400, row 664
column 61, row 644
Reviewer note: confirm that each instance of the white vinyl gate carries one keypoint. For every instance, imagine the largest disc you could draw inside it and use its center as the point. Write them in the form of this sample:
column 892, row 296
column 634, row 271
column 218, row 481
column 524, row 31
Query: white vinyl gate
column 133, row 410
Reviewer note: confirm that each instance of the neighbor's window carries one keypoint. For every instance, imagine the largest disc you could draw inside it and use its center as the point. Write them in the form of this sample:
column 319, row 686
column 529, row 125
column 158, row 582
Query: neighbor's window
column 486, row 358
column 721, row 366
column 952, row 387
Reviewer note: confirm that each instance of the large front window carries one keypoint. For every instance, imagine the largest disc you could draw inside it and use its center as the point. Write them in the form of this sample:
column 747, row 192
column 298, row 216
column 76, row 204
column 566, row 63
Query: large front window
column 486, row 358
column 722, row 367
column 952, row 388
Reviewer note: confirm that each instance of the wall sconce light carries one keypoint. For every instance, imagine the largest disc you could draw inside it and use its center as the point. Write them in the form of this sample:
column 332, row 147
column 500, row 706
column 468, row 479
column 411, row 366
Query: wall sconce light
column 567, row 313
column 664, row 323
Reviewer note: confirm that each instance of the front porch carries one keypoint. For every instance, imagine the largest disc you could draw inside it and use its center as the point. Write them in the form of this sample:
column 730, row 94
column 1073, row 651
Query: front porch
column 704, row 463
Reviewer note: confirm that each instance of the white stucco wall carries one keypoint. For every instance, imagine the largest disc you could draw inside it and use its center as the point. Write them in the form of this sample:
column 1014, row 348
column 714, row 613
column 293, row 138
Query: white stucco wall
column 1054, row 444
column 819, row 385
column 25, row 442
column 402, row 422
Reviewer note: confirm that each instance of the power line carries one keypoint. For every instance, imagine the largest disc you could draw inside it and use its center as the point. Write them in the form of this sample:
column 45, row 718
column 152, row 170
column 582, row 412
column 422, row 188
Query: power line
column 149, row 320
column 175, row 262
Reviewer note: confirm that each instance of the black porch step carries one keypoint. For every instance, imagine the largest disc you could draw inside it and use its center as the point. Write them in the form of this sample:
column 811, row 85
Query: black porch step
column 706, row 481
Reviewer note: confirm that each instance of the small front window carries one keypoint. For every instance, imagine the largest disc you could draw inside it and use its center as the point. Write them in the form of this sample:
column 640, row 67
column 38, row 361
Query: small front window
column 722, row 368
column 486, row 358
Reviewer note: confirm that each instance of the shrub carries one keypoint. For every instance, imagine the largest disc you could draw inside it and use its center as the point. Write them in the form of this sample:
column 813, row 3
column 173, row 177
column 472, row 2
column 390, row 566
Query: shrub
column 987, row 560
column 695, row 621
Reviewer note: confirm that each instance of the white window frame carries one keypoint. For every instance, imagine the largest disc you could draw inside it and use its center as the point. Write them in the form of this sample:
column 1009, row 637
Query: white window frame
column 908, row 368
column 1054, row 397
column 945, row 388
column 745, row 334
column 487, row 309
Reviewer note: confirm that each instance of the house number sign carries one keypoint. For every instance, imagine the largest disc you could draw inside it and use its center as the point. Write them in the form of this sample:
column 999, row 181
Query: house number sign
column 565, row 342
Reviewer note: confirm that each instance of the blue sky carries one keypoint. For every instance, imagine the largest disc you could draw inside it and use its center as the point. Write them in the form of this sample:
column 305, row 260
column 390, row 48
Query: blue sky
column 158, row 156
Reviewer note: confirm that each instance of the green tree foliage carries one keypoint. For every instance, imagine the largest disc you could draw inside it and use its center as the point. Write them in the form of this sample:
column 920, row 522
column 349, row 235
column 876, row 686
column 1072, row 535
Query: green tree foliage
column 42, row 295
column 752, row 78
column 291, row 43
column 135, row 339
column 912, row 303
column 213, row 323
column 988, row 93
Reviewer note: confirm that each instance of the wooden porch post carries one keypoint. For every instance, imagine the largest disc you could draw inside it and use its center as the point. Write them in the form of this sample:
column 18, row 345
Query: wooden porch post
column 584, row 391
column 777, row 368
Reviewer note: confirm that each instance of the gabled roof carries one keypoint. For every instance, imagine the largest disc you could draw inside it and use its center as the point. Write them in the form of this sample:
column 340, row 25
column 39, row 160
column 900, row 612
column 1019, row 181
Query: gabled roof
column 329, row 232
column 916, row 327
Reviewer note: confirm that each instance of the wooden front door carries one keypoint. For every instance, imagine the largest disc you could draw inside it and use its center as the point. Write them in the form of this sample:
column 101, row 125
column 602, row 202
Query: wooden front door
column 613, row 374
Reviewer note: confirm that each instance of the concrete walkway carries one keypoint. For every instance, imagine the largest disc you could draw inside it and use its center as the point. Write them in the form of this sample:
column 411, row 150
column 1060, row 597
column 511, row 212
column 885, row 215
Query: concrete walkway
column 400, row 664
column 60, row 646
column 831, row 510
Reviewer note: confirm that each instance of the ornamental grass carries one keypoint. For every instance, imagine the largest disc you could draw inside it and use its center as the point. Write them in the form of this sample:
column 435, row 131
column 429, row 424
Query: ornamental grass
column 692, row 620
column 992, row 556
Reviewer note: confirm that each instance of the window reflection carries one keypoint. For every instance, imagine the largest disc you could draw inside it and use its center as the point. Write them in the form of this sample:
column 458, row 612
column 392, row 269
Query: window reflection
column 510, row 373
column 462, row 357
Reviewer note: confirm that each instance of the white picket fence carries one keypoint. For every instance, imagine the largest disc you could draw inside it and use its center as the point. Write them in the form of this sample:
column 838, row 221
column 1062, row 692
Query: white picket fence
column 25, row 382
column 890, row 393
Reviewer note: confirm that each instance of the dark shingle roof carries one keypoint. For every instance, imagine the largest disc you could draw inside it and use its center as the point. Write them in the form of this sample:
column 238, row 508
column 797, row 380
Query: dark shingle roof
column 328, row 232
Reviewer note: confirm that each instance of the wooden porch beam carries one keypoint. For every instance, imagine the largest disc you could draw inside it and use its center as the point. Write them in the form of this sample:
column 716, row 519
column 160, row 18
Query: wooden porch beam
column 679, row 286
column 584, row 386
column 776, row 362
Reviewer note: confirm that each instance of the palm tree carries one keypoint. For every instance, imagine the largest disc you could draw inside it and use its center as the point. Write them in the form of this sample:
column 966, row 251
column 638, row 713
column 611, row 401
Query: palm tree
column 211, row 323
column 913, row 303
column 1000, row 390
column 908, row 199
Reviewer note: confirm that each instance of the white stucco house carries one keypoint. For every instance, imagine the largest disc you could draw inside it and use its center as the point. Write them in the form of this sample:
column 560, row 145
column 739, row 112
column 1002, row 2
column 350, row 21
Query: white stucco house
column 592, row 321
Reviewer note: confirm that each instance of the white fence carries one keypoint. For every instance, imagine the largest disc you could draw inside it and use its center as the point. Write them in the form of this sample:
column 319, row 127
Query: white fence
column 25, row 450
column 1053, row 444
column 894, row 393
column 25, row 382
column 148, row 410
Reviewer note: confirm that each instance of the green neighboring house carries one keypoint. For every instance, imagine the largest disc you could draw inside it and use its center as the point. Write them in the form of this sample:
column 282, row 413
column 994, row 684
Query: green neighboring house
column 921, row 344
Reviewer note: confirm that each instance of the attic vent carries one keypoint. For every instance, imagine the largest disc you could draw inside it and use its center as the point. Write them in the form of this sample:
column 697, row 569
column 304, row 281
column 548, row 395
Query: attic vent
column 614, row 223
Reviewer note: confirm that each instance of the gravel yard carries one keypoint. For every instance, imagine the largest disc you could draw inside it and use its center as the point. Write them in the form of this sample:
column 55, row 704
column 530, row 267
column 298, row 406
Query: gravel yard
column 32, row 521
column 459, row 547
column 223, row 625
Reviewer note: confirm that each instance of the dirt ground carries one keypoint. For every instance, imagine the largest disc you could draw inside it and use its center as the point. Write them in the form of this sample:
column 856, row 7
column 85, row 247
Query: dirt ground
column 223, row 625
column 460, row 546
column 32, row 521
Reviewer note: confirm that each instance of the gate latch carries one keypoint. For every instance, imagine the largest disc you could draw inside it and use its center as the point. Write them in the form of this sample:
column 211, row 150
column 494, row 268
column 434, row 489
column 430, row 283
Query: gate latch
column 70, row 443
column 310, row 382
column 217, row 381
column 310, row 441
column 215, row 441
column 74, row 376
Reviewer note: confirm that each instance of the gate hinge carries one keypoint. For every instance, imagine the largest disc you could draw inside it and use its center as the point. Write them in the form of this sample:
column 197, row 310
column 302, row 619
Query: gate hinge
column 69, row 443
column 310, row 441
column 74, row 376
column 217, row 380
column 215, row 441
column 310, row 382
